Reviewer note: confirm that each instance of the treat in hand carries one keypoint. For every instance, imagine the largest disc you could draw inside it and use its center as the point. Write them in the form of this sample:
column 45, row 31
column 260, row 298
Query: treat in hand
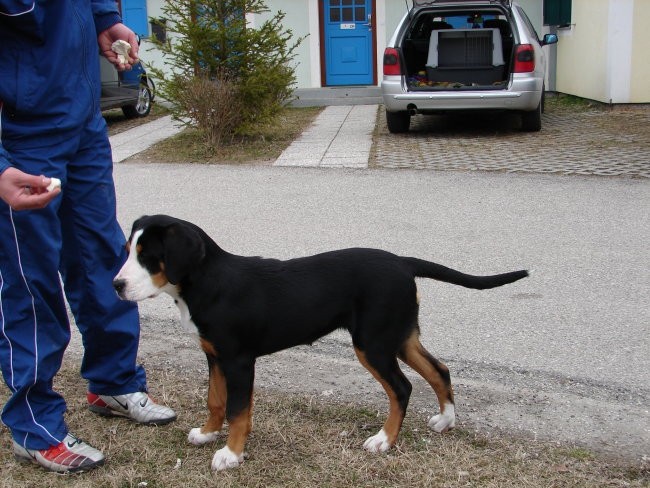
column 121, row 48
column 54, row 183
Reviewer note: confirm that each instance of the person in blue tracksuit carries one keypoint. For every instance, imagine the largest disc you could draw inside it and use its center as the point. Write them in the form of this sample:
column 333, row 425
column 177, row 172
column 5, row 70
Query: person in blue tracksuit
column 65, row 243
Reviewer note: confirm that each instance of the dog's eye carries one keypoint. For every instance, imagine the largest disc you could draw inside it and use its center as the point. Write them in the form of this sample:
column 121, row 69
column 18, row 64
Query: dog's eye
column 149, row 261
column 143, row 256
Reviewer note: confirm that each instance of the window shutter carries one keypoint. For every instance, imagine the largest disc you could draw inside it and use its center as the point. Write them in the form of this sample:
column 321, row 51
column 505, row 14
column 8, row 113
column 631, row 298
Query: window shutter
column 134, row 15
column 557, row 12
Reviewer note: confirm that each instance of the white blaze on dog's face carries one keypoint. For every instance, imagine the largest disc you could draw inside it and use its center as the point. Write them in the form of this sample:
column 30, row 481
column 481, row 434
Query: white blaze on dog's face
column 143, row 275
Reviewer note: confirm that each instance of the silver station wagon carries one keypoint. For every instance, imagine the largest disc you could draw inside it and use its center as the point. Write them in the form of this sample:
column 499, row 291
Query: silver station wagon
column 462, row 55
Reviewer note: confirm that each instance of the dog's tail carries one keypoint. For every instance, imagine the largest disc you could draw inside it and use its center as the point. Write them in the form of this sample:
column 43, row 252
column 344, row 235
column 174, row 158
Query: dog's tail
column 427, row 269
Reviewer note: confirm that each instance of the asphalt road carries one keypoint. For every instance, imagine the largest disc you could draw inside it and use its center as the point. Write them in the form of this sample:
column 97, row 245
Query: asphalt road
column 562, row 355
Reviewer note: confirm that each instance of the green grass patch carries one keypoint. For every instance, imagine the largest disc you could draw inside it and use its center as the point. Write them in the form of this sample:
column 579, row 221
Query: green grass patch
column 561, row 102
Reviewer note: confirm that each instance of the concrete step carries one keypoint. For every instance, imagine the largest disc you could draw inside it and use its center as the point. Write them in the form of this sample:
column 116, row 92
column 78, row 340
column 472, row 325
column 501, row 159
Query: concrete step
column 343, row 95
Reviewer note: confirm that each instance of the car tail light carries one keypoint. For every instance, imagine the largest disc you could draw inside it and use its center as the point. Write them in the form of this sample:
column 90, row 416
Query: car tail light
column 524, row 59
column 391, row 62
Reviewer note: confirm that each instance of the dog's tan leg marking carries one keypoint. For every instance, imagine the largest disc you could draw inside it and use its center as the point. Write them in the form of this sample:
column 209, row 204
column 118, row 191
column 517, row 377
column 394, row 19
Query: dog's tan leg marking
column 216, row 401
column 396, row 414
column 217, row 396
column 232, row 454
column 240, row 427
column 434, row 372
column 217, row 393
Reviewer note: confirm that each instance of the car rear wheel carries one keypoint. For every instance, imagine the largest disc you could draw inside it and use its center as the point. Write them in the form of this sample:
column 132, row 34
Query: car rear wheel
column 532, row 121
column 142, row 106
column 398, row 122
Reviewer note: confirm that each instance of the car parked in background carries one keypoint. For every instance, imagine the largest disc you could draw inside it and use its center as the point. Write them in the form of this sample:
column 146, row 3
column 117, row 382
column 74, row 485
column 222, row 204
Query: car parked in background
column 464, row 55
column 132, row 91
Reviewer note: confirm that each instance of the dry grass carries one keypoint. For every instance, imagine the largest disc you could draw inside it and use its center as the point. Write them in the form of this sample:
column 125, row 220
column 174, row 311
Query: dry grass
column 303, row 442
column 262, row 147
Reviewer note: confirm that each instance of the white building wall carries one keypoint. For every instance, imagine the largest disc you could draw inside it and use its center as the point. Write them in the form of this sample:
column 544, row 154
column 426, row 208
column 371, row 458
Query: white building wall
column 603, row 55
column 619, row 54
column 640, row 54
column 301, row 17
column 148, row 53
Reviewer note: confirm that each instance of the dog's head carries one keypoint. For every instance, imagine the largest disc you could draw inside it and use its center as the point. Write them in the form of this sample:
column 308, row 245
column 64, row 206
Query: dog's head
column 162, row 251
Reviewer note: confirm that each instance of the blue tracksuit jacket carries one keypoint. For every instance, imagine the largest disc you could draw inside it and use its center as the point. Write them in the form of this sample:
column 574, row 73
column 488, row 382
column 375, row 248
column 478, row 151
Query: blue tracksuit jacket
column 51, row 124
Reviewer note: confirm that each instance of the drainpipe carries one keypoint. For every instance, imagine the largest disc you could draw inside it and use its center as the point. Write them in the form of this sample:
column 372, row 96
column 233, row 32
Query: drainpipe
column 552, row 62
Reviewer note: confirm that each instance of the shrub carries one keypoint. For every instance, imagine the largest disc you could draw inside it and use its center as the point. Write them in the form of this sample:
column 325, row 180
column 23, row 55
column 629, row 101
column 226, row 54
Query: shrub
column 213, row 105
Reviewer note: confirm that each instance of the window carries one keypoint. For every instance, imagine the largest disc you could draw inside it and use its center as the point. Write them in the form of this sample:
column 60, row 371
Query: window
column 134, row 16
column 529, row 24
column 159, row 29
column 557, row 12
column 347, row 10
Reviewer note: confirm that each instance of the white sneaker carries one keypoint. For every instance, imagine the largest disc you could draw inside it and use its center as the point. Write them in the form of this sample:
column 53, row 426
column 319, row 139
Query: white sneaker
column 70, row 456
column 137, row 406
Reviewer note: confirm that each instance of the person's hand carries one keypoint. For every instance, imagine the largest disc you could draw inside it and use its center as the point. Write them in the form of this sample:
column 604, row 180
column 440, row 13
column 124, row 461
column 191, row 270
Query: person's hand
column 22, row 191
column 115, row 33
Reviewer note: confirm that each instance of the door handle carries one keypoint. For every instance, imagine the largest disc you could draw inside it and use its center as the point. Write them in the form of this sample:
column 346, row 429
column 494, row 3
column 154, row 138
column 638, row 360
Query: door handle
column 369, row 24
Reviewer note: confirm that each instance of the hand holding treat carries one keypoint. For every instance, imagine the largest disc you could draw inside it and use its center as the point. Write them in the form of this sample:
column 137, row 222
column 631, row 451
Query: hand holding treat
column 54, row 183
column 119, row 45
column 23, row 191
column 121, row 48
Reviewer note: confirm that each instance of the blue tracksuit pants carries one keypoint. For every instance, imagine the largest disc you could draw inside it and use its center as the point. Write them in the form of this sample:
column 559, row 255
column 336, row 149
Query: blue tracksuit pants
column 78, row 236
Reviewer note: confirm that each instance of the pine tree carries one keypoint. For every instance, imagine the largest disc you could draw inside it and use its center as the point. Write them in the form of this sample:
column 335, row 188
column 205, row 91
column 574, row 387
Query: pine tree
column 212, row 41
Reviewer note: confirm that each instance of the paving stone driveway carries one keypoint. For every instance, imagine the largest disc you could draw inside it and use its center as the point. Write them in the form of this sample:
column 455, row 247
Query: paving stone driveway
column 599, row 142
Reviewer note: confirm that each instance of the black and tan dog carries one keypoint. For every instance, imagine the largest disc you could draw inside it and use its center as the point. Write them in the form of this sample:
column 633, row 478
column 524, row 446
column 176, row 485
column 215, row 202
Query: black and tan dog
column 245, row 307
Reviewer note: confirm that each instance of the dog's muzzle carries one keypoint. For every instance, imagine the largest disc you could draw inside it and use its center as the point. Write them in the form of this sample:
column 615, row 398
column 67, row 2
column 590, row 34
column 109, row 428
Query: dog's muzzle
column 119, row 286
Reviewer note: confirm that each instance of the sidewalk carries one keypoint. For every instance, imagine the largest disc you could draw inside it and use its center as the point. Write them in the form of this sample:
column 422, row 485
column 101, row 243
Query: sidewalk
column 341, row 136
column 133, row 141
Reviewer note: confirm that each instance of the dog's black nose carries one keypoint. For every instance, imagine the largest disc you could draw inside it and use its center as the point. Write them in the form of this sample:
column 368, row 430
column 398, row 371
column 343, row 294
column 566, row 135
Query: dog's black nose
column 119, row 286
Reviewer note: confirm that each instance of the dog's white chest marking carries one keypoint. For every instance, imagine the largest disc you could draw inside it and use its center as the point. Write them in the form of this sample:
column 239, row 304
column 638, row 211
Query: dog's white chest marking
column 186, row 318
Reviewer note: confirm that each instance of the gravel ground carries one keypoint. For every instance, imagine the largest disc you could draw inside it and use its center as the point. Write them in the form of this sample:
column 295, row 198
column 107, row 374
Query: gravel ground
column 560, row 357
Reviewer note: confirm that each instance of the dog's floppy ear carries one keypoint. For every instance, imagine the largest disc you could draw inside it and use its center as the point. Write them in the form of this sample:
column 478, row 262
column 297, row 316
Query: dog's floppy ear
column 184, row 249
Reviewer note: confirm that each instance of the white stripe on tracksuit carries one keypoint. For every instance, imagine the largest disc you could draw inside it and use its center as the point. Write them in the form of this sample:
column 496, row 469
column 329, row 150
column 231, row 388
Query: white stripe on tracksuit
column 2, row 314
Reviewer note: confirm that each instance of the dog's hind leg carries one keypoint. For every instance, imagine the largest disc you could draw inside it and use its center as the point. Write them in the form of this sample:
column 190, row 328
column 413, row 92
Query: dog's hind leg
column 436, row 374
column 386, row 370
column 216, row 407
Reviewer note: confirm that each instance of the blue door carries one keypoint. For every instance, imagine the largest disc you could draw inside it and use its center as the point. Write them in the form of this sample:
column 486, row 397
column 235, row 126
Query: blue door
column 134, row 16
column 348, row 42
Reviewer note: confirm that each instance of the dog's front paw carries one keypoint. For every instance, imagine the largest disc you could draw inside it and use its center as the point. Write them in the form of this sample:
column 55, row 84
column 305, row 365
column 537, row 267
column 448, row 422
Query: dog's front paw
column 377, row 443
column 198, row 438
column 224, row 458
column 444, row 421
